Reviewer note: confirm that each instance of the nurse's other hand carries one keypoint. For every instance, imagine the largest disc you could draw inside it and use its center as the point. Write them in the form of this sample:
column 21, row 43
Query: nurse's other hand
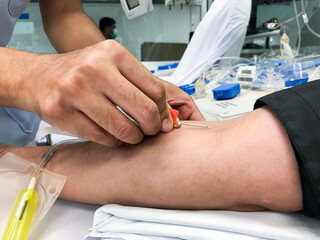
column 80, row 90
column 180, row 100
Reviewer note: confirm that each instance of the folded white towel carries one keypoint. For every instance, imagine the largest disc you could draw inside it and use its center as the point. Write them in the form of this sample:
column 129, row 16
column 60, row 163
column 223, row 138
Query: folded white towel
column 133, row 223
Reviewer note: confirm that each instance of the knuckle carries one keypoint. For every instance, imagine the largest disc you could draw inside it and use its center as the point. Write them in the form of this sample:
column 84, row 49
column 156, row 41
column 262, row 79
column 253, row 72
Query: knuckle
column 150, row 112
column 106, row 119
column 99, row 136
column 158, row 92
column 71, row 84
column 150, row 119
column 77, row 77
column 120, row 129
column 114, row 49
column 53, row 109
column 123, row 131
column 88, row 65
column 111, row 43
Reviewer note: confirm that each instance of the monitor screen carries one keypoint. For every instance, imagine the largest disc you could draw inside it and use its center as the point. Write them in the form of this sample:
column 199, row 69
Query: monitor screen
column 136, row 8
column 132, row 4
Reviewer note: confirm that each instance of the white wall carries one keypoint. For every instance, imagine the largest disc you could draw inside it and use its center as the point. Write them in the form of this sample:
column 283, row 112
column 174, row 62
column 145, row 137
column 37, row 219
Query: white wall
column 160, row 25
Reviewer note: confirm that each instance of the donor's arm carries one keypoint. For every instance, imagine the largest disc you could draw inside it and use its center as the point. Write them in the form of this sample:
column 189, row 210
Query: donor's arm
column 244, row 164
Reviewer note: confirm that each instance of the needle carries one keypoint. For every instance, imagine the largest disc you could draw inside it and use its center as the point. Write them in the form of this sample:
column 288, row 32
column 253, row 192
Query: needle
column 194, row 125
column 176, row 123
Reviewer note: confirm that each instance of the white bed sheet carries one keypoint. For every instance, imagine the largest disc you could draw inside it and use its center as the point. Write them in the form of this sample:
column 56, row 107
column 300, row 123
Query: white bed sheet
column 134, row 223
column 65, row 221
column 71, row 221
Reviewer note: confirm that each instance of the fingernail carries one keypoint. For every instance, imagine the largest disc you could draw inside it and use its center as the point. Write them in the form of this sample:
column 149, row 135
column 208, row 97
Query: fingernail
column 167, row 125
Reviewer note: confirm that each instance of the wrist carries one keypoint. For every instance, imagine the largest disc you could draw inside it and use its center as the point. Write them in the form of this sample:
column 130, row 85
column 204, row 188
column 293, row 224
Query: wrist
column 31, row 83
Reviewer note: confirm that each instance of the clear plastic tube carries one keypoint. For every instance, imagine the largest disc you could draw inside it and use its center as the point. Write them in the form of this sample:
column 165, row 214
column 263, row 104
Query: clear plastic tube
column 46, row 157
column 23, row 210
column 312, row 31
column 303, row 7
column 214, row 61
column 305, row 19
column 298, row 25
column 206, row 71
column 314, row 73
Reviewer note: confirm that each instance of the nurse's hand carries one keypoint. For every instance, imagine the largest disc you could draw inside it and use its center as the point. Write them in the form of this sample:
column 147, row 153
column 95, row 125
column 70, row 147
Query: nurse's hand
column 79, row 92
column 180, row 100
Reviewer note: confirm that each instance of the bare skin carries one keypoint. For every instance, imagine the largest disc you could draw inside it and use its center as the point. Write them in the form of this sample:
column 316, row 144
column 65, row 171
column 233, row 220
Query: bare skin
column 78, row 91
column 84, row 87
column 68, row 19
column 244, row 164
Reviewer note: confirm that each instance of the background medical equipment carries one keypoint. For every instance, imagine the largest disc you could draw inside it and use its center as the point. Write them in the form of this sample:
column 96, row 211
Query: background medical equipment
column 284, row 42
column 136, row 8
column 226, row 91
column 200, row 87
column 188, row 88
column 174, row 3
column 268, row 72
column 292, row 17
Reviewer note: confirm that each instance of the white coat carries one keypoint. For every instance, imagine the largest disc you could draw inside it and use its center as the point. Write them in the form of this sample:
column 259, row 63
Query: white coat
column 221, row 28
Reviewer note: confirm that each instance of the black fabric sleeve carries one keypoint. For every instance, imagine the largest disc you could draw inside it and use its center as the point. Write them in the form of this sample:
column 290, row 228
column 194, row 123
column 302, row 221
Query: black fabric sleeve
column 298, row 109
